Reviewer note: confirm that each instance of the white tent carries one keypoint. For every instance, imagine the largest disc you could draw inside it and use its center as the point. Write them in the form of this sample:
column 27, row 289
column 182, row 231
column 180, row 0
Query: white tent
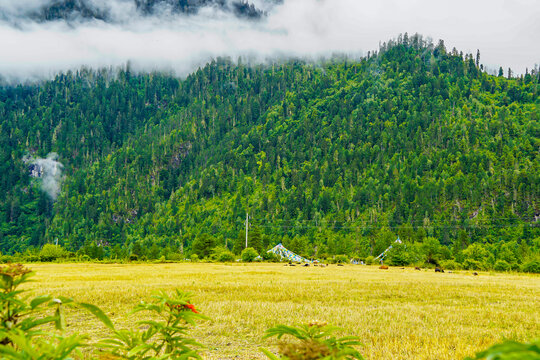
column 282, row 252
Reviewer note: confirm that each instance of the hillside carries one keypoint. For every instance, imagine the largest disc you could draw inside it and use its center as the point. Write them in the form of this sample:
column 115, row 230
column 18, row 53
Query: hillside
column 115, row 12
column 335, row 158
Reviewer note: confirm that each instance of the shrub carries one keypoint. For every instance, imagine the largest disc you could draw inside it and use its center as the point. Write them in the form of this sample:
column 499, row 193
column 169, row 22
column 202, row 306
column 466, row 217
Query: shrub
column 133, row 257
column 51, row 252
column 398, row 259
column 203, row 245
column 269, row 256
column 8, row 258
column 398, row 255
column 501, row 265
column 370, row 260
column 450, row 265
column 341, row 259
column 476, row 251
column 470, row 264
column 216, row 254
column 313, row 341
column 531, row 267
column 430, row 250
column 194, row 257
column 249, row 254
column 173, row 256
column 226, row 256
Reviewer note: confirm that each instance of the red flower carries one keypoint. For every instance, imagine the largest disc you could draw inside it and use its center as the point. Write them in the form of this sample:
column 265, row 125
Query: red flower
column 179, row 307
column 191, row 307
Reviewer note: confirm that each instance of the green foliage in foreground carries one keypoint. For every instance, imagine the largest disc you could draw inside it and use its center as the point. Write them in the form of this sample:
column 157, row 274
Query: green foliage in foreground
column 313, row 341
column 22, row 325
column 25, row 334
column 164, row 338
column 510, row 350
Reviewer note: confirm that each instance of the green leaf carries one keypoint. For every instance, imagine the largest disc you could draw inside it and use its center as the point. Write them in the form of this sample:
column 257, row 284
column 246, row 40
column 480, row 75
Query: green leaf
column 39, row 300
column 97, row 312
column 139, row 349
column 30, row 323
column 65, row 300
column 511, row 350
column 59, row 322
column 269, row 354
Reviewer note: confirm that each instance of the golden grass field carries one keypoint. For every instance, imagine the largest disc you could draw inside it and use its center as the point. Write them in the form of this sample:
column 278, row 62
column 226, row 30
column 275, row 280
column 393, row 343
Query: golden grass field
column 398, row 313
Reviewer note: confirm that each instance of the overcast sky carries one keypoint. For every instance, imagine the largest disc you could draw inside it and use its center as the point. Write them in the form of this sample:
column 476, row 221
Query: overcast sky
column 505, row 31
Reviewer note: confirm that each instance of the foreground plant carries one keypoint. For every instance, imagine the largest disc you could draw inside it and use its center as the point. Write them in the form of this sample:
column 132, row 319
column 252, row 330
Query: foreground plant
column 22, row 320
column 165, row 338
column 511, row 350
column 313, row 341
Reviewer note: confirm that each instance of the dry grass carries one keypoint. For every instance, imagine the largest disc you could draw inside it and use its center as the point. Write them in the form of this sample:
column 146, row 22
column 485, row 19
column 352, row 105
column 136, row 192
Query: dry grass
column 398, row 313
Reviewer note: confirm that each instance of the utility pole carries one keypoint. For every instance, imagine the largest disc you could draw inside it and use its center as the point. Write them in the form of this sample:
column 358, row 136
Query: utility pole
column 247, row 226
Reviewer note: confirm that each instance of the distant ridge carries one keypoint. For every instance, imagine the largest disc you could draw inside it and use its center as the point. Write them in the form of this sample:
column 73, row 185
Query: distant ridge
column 85, row 10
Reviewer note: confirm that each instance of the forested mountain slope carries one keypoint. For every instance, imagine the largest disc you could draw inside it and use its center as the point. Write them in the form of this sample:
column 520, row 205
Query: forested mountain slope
column 337, row 158
column 114, row 11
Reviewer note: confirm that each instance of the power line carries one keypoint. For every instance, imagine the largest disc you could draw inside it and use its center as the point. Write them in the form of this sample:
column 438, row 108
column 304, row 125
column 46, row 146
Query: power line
column 407, row 223
column 380, row 226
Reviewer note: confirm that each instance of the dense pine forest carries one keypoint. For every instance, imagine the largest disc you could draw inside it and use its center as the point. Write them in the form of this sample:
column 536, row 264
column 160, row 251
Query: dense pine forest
column 74, row 11
column 335, row 158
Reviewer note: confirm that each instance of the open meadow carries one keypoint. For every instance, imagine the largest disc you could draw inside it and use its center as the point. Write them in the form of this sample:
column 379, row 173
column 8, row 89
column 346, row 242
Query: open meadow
column 398, row 313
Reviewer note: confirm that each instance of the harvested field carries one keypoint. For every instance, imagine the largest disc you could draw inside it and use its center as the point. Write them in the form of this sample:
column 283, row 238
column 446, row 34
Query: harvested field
column 398, row 313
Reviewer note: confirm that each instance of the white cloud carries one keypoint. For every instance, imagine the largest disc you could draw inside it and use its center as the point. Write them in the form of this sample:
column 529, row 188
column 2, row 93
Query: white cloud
column 505, row 31
column 49, row 171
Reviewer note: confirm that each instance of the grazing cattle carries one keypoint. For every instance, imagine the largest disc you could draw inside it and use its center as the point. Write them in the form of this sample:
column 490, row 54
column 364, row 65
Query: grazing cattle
column 417, row 268
column 439, row 270
column 383, row 267
column 306, row 264
column 475, row 273
column 340, row 264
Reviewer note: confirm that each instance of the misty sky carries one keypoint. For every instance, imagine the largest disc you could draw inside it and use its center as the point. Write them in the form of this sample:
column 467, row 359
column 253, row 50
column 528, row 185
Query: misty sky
column 505, row 31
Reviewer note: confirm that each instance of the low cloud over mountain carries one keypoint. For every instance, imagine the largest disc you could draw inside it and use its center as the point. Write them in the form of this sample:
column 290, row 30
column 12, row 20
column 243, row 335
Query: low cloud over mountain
column 39, row 38
column 118, row 11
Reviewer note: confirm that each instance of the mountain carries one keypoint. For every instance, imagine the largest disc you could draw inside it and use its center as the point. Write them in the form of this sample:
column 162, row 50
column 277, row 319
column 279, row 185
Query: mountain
column 333, row 158
column 117, row 11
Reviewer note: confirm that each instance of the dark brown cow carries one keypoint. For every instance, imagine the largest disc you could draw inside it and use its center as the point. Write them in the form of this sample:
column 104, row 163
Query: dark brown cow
column 383, row 267
column 439, row 270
